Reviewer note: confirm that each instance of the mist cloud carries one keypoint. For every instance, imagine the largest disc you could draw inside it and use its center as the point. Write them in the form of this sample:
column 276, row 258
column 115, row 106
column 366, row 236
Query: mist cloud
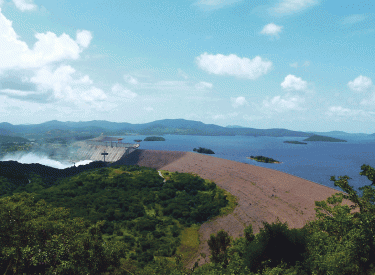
column 42, row 159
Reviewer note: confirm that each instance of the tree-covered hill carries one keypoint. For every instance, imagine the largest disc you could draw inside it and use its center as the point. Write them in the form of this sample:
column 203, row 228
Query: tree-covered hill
column 15, row 176
column 133, row 214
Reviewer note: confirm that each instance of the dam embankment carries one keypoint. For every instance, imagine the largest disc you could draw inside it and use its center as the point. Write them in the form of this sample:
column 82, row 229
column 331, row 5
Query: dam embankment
column 264, row 195
column 94, row 151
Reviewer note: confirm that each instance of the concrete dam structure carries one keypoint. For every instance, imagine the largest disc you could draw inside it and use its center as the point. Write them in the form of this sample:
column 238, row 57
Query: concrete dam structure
column 103, row 148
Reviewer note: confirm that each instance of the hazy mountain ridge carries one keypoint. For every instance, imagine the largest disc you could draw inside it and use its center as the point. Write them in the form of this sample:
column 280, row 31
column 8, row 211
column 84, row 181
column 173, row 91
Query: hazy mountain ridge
column 166, row 126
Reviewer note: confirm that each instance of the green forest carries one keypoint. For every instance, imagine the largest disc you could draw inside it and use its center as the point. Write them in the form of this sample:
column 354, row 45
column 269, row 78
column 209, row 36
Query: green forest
column 129, row 220
column 100, row 220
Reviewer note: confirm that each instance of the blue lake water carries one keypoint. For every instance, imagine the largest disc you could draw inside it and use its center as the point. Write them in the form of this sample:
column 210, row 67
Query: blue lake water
column 315, row 161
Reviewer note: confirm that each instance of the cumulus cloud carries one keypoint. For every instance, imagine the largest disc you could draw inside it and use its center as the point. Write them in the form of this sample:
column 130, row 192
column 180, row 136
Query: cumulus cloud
column 49, row 48
column 130, row 79
column 84, row 38
column 214, row 4
column 238, row 101
column 291, row 82
column 292, row 6
column 24, row 5
column 203, row 85
column 279, row 104
column 271, row 29
column 65, row 86
column 233, row 65
column 118, row 90
column 360, row 84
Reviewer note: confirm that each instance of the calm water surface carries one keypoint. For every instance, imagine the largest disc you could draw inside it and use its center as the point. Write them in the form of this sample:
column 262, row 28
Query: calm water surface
column 315, row 161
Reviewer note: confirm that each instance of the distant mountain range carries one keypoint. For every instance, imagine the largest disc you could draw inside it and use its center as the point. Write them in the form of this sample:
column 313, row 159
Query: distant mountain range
column 159, row 127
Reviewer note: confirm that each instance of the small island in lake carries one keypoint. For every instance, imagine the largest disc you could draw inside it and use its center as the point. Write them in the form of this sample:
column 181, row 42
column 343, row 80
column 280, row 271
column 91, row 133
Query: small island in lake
column 154, row 139
column 323, row 138
column 294, row 142
column 263, row 159
column 203, row 150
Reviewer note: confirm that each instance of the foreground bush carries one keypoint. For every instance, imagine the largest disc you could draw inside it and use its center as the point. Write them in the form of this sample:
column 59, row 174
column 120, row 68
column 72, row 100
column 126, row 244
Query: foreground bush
column 37, row 238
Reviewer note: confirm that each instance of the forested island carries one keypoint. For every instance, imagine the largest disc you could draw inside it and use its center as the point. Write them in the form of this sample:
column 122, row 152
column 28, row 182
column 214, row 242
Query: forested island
column 263, row 159
column 203, row 150
column 323, row 138
column 154, row 139
column 294, row 142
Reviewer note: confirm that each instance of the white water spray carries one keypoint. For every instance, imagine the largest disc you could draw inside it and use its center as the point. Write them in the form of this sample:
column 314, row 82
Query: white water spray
column 42, row 159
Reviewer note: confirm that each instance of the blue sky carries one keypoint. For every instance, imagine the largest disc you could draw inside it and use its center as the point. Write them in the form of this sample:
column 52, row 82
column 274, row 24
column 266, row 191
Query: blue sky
column 298, row 64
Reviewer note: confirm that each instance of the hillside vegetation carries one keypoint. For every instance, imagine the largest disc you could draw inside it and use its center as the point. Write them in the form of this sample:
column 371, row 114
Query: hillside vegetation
column 100, row 219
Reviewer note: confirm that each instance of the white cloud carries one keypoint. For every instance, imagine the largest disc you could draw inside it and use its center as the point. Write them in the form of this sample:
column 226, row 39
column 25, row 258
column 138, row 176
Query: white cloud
column 203, row 85
column 271, row 29
column 130, row 79
column 279, row 104
column 369, row 101
column 148, row 109
column 49, row 48
column 84, row 38
column 120, row 91
column 292, row 6
column 360, row 84
column 294, row 65
column 238, row 101
column 1, row 2
column 214, row 4
column 182, row 73
column 17, row 93
column 65, row 87
column 233, row 65
column 354, row 18
column 24, row 5
column 292, row 82
column 338, row 111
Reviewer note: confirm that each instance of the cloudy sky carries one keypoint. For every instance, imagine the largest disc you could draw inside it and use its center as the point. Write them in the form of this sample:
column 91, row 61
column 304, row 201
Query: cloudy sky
column 297, row 64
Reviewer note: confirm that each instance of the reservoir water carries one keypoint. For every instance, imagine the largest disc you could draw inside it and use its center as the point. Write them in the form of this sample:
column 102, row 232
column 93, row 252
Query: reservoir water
column 315, row 161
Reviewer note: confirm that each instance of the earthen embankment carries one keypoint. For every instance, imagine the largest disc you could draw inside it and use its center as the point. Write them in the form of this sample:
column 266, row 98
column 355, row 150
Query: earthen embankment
column 264, row 195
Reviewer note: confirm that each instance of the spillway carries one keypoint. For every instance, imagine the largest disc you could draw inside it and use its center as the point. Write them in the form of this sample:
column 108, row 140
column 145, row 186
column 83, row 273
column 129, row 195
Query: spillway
column 94, row 149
